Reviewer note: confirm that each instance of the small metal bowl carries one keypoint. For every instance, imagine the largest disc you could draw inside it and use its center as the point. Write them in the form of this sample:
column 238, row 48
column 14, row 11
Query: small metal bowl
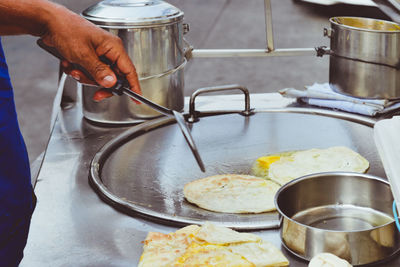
column 347, row 214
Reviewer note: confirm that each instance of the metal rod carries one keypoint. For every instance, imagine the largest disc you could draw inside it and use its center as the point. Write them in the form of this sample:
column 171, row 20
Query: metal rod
column 268, row 25
column 253, row 52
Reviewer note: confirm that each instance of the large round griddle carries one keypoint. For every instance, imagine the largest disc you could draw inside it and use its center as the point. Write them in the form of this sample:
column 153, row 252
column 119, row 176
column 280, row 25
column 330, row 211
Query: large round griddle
column 143, row 171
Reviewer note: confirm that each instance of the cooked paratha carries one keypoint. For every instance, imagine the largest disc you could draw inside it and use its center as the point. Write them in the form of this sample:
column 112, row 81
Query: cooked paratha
column 209, row 245
column 232, row 193
column 163, row 249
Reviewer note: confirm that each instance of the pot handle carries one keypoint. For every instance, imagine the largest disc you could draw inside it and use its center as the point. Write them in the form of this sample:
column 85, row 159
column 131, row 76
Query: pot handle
column 168, row 72
column 323, row 50
column 193, row 114
column 328, row 32
column 188, row 49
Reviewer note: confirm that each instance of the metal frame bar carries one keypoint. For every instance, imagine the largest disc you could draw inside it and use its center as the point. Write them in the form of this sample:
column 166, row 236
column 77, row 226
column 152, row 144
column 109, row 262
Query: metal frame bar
column 268, row 25
column 253, row 52
column 269, row 51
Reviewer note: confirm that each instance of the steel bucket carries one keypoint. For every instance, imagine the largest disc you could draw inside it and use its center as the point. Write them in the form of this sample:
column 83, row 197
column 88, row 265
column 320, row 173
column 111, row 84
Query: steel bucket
column 364, row 57
column 152, row 33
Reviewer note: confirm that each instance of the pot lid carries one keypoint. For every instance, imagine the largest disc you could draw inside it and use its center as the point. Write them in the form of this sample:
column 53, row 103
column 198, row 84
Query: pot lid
column 131, row 13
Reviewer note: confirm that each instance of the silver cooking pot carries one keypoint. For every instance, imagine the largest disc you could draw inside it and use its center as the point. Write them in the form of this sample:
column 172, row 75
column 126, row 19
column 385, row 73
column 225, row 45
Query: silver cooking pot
column 364, row 57
column 152, row 33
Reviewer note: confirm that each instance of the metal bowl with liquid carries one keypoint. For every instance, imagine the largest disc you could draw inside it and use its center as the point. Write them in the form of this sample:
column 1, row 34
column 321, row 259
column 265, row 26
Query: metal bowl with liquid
column 343, row 213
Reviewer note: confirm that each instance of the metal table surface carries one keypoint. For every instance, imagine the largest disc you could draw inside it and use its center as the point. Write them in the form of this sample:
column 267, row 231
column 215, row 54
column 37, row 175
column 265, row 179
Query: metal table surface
column 72, row 226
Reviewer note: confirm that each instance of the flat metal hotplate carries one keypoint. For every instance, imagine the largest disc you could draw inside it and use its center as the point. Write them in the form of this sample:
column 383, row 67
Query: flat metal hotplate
column 143, row 171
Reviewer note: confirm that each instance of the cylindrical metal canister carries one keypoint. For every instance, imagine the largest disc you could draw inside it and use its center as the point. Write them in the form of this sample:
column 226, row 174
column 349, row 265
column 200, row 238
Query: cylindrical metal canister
column 152, row 34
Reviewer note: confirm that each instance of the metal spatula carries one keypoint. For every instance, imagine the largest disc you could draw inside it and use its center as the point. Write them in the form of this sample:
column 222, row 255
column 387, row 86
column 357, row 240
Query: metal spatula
column 121, row 88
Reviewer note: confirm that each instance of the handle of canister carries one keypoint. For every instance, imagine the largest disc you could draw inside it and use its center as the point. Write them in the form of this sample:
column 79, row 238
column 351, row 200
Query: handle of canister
column 328, row 32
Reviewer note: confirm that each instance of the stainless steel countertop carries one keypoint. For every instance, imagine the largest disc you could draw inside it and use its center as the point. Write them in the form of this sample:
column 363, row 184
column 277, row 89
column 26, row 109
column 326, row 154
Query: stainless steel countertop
column 72, row 226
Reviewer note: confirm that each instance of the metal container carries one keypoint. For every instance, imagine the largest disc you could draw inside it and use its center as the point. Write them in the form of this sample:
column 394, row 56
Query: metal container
column 347, row 214
column 365, row 57
column 152, row 33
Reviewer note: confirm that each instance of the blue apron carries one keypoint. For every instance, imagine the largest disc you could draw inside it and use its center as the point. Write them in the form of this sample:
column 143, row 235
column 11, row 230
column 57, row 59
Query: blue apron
column 16, row 200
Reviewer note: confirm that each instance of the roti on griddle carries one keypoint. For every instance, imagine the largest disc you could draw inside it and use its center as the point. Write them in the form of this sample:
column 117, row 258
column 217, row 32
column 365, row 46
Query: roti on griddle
column 209, row 245
column 232, row 193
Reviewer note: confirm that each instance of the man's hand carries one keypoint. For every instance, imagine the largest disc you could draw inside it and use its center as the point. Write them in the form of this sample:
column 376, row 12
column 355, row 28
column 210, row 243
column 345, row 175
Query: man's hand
column 81, row 42
column 76, row 39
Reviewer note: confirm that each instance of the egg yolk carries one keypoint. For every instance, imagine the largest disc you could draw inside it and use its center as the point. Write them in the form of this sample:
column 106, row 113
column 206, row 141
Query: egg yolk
column 211, row 255
column 266, row 161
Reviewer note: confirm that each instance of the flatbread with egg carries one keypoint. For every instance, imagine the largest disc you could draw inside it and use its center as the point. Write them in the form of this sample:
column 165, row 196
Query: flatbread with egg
column 213, row 234
column 209, row 245
column 163, row 249
column 284, row 167
column 232, row 193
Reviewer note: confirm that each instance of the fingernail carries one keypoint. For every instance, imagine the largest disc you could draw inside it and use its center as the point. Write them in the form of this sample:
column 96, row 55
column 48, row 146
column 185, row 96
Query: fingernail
column 76, row 77
column 108, row 79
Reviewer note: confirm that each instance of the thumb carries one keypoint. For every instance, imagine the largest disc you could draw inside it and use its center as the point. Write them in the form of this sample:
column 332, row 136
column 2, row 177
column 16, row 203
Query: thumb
column 100, row 72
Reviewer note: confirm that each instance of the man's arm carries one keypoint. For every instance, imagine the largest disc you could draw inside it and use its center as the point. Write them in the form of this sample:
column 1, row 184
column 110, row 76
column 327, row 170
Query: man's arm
column 77, row 40
column 25, row 17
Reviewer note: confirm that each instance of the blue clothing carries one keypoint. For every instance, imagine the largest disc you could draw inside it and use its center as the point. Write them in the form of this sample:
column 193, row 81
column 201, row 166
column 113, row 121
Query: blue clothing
column 16, row 201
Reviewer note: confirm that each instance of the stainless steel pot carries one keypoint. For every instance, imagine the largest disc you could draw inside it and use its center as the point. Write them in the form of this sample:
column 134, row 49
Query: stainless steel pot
column 152, row 33
column 365, row 57
column 347, row 214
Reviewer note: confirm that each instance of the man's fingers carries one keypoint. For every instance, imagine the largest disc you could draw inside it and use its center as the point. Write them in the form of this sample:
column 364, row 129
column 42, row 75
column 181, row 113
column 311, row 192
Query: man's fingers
column 134, row 82
column 100, row 72
column 101, row 95
column 123, row 63
column 77, row 74
column 126, row 66
column 81, row 77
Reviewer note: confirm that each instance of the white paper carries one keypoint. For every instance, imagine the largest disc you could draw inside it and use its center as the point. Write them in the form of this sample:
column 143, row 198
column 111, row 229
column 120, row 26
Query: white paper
column 387, row 141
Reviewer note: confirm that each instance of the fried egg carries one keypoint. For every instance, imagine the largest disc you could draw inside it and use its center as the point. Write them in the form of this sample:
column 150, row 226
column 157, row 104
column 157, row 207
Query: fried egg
column 284, row 167
column 209, row 245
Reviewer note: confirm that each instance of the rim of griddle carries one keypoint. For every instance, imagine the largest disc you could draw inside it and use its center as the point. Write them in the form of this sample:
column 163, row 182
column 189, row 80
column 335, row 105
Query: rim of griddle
column 131, row 209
